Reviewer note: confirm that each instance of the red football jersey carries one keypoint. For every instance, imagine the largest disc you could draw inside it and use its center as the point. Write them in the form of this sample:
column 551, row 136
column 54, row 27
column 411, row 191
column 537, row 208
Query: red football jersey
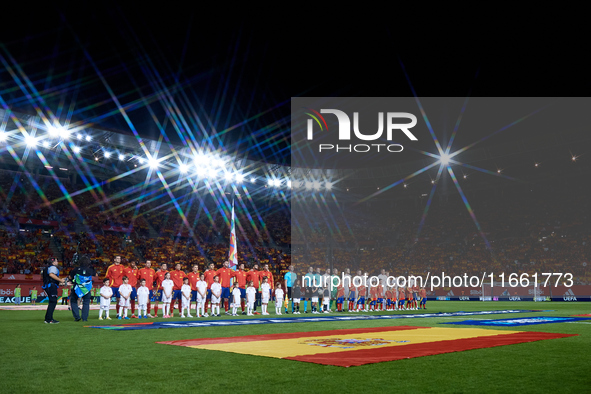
column 160, row 278
column 362, row 291
column 373, row 292
column 253, row 276
column 209, row 274
column 148, row 274
column 115, row 275
column 423, row 293
column 240, row 278
column 340, row 291
column 131, row 275
column 380, row 291
column 193, row 279
column 225, row 275
column 177, row 278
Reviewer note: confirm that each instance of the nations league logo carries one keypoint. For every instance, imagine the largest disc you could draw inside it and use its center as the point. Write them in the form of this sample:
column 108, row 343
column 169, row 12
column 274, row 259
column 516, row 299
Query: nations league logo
column 396, row 122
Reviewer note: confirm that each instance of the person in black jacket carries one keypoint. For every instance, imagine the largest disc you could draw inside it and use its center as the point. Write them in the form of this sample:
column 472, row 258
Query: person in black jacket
column 51, row 281
column 81, row 278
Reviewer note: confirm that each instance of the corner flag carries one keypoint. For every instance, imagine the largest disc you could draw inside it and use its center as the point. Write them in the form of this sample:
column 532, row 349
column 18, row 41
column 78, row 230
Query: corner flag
column 233, row 246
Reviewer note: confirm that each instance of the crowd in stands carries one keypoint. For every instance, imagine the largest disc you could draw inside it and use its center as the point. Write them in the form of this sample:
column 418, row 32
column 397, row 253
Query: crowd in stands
column 518, row 233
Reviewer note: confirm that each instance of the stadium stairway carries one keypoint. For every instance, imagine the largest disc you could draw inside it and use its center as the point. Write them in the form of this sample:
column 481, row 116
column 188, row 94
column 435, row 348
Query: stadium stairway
column 54, row 248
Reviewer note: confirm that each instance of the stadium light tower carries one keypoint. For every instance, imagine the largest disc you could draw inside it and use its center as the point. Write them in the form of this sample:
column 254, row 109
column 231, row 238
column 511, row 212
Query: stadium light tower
column 107, row 154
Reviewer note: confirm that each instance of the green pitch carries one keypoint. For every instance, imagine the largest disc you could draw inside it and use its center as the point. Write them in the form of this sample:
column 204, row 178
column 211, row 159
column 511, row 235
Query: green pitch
column 67, row 357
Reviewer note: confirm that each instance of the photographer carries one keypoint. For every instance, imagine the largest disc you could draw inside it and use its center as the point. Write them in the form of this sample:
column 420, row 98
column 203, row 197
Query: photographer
column 51, row 281
column 81, row 278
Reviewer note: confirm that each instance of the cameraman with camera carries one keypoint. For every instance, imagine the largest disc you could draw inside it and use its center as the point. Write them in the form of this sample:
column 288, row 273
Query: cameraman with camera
column 51, row 281
column 81, row 278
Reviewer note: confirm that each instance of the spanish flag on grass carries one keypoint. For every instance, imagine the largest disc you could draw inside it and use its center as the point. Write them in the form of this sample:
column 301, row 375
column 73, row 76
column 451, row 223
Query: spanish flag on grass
column 352, row 347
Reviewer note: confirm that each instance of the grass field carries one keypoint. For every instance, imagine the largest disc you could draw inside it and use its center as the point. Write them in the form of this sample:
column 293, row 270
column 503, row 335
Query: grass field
column 67, row 357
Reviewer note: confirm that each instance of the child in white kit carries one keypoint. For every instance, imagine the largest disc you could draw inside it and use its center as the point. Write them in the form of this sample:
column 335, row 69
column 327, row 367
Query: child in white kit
column 106, row 294
column 278, row 298
column 124, row 298
column 250, row 298
column 235, row 299
column 326, row 300
column 265, row 294
column 167, row 286
column 201, row 296
column 216, row 295
column 143, row 295
column 186, row 298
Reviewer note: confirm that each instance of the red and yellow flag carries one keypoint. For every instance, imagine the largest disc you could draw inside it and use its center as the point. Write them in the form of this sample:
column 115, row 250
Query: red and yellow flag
column 361, row 346
column 233, row 258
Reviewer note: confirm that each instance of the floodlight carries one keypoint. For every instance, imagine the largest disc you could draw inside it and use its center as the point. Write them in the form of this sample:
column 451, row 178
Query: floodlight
column 153, row 162
column 31, row 141
column 107, row 154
